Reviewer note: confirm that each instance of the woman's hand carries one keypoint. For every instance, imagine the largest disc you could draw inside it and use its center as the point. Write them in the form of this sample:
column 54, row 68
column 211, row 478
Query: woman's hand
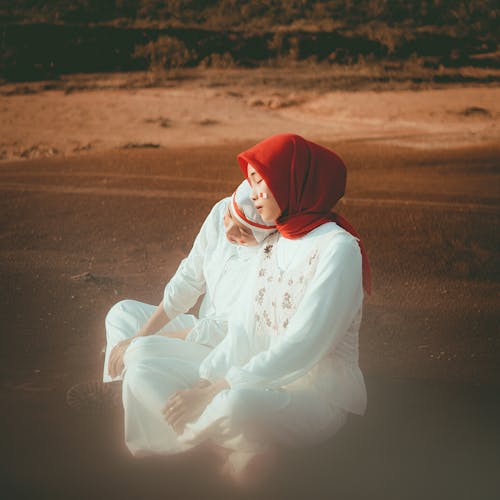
column 202, row 382
column 188, row 404
column 115, row 363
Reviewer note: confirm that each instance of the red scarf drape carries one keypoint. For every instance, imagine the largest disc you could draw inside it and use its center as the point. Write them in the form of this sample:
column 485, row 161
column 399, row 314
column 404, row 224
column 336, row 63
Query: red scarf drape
column 307, row 180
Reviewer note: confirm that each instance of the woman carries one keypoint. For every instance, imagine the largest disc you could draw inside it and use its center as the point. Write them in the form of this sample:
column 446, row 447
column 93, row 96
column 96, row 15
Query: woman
column 227, row 240
column 213, row 268
column 287, row 372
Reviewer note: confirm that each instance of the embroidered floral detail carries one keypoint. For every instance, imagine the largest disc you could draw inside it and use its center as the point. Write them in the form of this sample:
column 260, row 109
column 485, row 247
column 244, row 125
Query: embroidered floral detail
column 273, row 303
column 280, row 277
column 287, row 301
column 270, row 279
column 260, row 296
column 267, row 251
column 290, row 282
column 285, row 323
column 312, row 257
column 267, row 319
column 262, row 272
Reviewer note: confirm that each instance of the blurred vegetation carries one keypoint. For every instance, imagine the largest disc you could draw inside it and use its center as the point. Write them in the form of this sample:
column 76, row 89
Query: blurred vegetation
column 471, row 16
column 170, row 34
column 166, row 52
column 460, row 17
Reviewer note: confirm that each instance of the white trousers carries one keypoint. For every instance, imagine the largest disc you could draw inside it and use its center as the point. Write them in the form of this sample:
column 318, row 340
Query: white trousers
column 246, row 421
column 126, row 318
column 156, row 367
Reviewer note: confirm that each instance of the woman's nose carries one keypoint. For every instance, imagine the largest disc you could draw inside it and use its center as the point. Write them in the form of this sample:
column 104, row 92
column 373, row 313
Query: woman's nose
column 253, row 195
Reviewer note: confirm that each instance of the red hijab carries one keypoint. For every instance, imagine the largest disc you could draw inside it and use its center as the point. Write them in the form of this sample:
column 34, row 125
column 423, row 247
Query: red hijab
column 307, row 180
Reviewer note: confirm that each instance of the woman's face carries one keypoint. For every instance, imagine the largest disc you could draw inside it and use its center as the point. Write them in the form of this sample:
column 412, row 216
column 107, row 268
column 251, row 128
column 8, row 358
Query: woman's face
column 262, row 197
column 236, row 232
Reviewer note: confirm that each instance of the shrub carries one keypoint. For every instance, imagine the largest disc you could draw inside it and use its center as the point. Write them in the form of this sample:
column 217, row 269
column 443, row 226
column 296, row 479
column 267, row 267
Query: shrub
column 220, row 61
column 166, row 52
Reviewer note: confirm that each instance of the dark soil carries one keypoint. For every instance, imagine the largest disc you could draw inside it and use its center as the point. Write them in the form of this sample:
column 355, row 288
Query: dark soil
column 430, row 346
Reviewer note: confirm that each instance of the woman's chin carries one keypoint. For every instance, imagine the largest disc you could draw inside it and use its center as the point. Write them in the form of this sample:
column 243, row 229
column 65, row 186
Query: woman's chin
column 265, row 218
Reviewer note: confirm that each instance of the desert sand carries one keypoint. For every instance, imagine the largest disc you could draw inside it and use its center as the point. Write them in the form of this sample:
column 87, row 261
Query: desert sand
column 103, row 192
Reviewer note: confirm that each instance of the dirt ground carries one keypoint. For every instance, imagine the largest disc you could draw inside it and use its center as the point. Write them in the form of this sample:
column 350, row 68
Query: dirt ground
column 87, row 113
column 81, row 230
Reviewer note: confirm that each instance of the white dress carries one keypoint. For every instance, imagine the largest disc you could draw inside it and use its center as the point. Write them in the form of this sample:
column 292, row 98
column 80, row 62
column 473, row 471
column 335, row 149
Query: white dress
column 214, row 267
column 290, row 356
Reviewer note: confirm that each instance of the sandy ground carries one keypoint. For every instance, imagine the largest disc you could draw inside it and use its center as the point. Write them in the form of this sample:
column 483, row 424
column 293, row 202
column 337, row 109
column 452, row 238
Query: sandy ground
column 203, row 112
column 82, row 231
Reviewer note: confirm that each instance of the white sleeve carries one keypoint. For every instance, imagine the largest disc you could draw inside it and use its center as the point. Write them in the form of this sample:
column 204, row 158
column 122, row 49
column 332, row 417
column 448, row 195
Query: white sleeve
column 208, row 331
column 330, row 304
column 188, row 283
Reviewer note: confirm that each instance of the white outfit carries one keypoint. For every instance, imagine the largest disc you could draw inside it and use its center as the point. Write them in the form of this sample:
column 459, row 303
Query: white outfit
column 290, row 355
column 214, row 267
